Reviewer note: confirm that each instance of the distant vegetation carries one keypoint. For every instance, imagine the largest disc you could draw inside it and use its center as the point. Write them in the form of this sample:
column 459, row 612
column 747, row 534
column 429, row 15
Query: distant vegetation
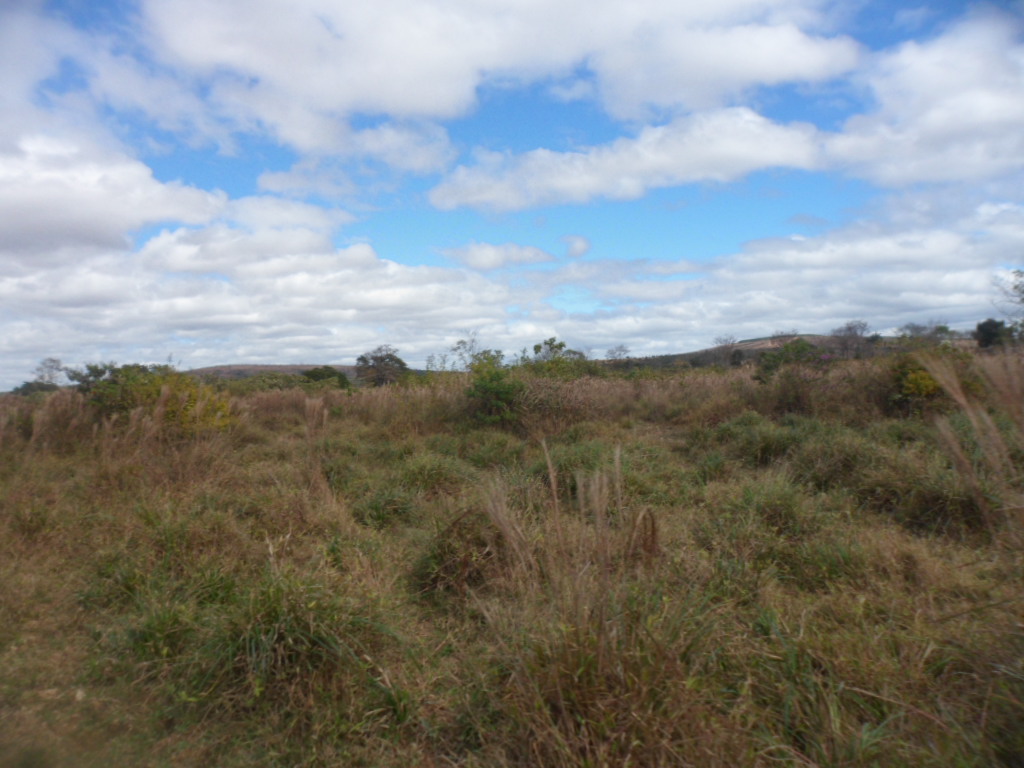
column 811, row 556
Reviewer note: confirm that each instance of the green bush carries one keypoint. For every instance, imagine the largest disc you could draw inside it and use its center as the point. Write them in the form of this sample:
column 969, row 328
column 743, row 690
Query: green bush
column 328, row 375
column 798, row 351
column 552, row 359
column 493, row 392
column 177, row 401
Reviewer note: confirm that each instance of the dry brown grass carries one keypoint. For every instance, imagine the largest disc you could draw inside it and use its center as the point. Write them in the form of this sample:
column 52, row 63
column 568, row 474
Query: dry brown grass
column 681, row 571
column 986, row 455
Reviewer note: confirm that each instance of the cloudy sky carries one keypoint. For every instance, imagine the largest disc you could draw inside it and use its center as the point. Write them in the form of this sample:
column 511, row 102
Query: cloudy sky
column 299, row 181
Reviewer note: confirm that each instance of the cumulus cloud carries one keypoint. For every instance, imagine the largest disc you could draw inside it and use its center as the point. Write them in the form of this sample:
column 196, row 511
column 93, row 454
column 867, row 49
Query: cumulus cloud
column 56, row 194
column 813, row 285
column 301, row 70
column 31, row 49
column 713, row 146
column 949, row 109
column 221, row 293
column 353, row 89
column 488, row 256
column 698, row 67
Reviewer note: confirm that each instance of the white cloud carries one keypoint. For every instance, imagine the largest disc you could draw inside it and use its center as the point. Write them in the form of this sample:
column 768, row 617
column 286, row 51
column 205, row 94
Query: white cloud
column 698, row 67
column 265, row 211
column 354, row 86
column 714, row 146
column 221, row 249
column 487, row 256
column 303, row 68
column 219, row 293
column 310, row 177
column 576, row 246
column 421, row 148
column 31, row 48
column 57, row 194
column 950, row 109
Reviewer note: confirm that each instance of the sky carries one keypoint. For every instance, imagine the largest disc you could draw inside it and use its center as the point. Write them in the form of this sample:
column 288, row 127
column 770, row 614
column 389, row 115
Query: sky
column 300, row 181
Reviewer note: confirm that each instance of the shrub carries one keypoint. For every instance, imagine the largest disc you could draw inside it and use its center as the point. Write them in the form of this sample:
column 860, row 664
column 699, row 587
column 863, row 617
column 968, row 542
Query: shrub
column 178, row 403
column 914, row 390
column 328, row 374
column 552, row 359
column 493, row 392
column 797, row 351
column 460, row 557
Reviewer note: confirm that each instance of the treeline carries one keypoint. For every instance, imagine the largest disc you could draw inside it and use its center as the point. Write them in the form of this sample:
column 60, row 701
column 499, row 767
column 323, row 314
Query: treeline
column 551, row 358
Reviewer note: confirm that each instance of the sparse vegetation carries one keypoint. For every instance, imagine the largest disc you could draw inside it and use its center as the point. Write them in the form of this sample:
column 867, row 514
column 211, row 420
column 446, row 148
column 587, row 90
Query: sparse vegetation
column 802, row 564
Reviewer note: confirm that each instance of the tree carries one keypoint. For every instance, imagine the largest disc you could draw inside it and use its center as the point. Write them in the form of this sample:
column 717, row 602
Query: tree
column 381, row 366
column 618, row 352
column 87, row 378
column 723, row 348
column 328, row 373
column 552, row 349
column 1013, row 292
column 32, row 387
column 851, row 338
column 49, row 371
column 992, row 333
column 933, row 330
column 552, row 358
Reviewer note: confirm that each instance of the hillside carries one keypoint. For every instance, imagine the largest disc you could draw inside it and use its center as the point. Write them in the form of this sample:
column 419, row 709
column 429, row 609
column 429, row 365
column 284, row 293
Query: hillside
column 243, row 370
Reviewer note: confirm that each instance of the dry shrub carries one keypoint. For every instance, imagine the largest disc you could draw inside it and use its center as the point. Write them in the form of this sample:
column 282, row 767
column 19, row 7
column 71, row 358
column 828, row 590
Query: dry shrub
column 57, row 422
column 407, row 408
column 276, row 410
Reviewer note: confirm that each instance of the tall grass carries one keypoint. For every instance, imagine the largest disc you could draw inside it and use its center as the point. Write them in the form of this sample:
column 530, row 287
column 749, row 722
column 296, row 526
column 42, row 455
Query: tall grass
column 695, row 570
column 988, row 449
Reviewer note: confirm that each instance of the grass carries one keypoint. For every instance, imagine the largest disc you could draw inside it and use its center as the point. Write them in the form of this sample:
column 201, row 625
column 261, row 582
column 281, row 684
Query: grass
column 693, row 569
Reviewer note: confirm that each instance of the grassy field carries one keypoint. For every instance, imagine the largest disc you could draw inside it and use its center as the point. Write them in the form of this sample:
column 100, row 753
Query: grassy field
column 690, row 570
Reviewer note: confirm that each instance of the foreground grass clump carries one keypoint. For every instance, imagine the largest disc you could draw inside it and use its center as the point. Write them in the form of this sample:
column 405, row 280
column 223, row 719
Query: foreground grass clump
column 692, row 570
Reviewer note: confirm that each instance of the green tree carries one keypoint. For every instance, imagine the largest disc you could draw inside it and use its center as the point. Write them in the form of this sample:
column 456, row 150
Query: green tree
column 798, row 351
column 32, row 387
column 329, row 374
column 992, row 333
column 553, row 358
column 492, row 391
column 48, row 374
column 87, row 378
column 381, row 366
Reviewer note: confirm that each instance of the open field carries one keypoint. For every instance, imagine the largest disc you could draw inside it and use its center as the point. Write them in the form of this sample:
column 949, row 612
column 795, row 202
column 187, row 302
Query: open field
column 696, row 569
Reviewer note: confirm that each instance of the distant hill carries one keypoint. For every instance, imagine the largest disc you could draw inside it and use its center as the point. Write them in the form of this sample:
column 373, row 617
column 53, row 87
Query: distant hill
column 748, row 349
column 244, row 370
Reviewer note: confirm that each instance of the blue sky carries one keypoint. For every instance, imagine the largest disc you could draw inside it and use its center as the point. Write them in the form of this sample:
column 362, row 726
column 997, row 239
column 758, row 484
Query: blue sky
column 220, row 181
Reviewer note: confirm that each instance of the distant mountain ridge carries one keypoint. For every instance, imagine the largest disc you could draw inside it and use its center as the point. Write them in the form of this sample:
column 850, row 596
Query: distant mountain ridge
column 244, row 370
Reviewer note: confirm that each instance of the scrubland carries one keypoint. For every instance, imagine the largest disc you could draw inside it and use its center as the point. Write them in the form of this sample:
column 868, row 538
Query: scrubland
column 693, row 569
